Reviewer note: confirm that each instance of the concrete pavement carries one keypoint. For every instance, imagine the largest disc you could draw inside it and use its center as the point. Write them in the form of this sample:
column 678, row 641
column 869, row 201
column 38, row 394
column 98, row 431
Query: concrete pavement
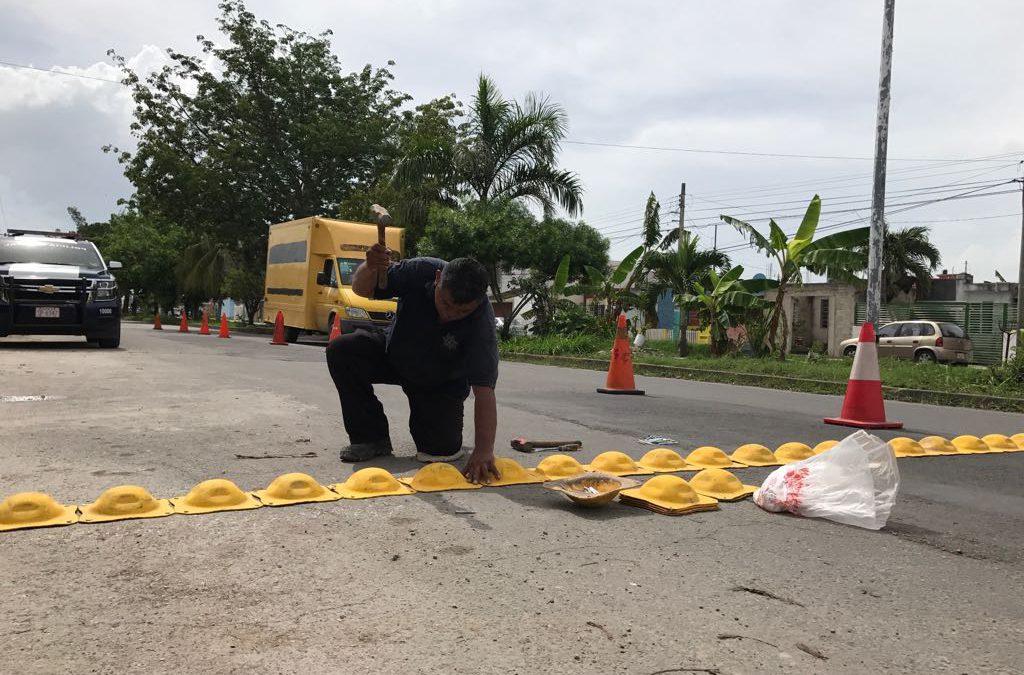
column 503, row 580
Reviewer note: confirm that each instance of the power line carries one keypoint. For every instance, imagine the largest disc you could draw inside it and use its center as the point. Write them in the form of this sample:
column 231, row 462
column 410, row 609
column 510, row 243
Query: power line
column 750, row 153
column 58, row 72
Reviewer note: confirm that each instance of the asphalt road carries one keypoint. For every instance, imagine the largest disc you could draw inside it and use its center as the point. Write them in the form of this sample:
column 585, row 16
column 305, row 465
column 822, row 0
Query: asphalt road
column 494, row 580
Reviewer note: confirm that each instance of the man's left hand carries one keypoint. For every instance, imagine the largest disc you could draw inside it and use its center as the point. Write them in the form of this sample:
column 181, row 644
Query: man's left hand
column 480, row 468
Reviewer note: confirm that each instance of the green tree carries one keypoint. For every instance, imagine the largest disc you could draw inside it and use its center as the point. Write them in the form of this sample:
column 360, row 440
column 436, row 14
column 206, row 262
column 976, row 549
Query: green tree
column 273, row 130
column 838, row 255
column 506, row 151
column 652, row 222
column 680, row 272
column 908, row 260
column 608, row 285
column 719, row 301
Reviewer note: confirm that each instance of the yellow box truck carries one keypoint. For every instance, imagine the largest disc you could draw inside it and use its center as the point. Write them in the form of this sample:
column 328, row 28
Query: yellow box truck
column 310, row 263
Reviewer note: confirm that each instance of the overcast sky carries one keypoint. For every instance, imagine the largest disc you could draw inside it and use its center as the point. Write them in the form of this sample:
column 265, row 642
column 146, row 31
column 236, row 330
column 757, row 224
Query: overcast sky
column 797, row 77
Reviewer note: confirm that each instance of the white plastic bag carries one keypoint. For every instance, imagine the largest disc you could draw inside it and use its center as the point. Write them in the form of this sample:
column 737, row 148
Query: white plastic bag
column 853, row 483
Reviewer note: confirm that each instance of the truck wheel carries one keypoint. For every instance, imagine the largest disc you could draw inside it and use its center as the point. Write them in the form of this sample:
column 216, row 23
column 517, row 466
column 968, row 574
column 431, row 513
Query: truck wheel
column 291, row 334
column 112, row 342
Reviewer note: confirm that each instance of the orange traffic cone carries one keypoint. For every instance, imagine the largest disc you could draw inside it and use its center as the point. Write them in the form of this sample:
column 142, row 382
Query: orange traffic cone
column 863, row 406
column 183, row 327
column 156, row 321
column 335, row 328
column 620, row 368
column 204, row 327
column 279, row 330
column 225, row 332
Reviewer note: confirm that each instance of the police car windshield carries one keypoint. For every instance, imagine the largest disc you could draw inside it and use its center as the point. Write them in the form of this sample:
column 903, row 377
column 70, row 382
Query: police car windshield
column 49, row 252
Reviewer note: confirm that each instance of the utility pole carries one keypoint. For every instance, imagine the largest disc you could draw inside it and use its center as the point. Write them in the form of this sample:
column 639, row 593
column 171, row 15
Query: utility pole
column 875, row 243
column 682, row 211
column 715, row 247
column 1020, row 268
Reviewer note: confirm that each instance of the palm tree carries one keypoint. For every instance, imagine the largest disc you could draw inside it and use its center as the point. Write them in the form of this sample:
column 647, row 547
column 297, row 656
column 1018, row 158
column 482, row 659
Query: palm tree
column 908, row 260
column 681, row 271
column 837, row 255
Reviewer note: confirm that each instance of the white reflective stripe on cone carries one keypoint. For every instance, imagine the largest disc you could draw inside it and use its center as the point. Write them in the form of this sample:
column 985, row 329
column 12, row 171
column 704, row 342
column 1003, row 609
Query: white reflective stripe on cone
column 865, row 363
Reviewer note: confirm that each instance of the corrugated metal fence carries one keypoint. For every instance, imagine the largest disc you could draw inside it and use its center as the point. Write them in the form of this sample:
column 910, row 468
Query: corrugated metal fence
column 984, row 321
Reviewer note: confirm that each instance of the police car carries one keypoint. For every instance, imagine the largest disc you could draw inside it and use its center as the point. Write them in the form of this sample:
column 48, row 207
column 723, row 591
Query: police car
column 57, row 284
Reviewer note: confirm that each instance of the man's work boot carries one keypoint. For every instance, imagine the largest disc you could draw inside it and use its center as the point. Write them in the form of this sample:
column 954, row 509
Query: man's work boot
column 429, row 458
column 362, row 452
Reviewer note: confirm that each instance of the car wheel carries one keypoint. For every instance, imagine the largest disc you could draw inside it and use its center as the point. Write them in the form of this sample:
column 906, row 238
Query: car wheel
column 291, row 334
column 850, row 351
column 925, row 356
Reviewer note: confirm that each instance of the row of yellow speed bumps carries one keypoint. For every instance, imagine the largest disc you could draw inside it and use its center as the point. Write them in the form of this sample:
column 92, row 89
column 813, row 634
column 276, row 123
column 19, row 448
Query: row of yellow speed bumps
column 36, row 509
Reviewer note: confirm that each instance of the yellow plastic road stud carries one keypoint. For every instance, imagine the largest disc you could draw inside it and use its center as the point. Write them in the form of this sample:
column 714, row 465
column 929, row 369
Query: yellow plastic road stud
column 660, row 460
column 556, row 467
column 617, row 463
column 216, row 494
column 721, row 485
column 124, row 502
column 937, row 445
column 787, row 453
column 438, row 477
column 708, row 457
column 908, row 447
column 1018, row 439
column 34, row 509
column 513, row 473
column 972, row 444
column 824, row 446
column 753, row 454
column 669, row 494
column 295, row 488
column 371, row 482
column 1000, row 442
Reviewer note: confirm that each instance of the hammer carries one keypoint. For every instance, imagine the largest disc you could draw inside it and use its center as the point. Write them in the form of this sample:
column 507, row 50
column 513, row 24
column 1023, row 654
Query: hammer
column 384, row 220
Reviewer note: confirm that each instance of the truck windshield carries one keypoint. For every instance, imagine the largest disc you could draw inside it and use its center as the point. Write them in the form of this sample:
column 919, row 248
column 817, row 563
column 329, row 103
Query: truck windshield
column 49, row 252
column 347, row 268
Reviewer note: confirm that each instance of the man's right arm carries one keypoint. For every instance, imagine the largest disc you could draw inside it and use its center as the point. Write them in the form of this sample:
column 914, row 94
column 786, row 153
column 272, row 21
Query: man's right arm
column 364, row 281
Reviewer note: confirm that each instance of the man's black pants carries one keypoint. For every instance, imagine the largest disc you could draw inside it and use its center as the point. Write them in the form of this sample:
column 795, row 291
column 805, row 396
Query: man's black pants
column 358, row 361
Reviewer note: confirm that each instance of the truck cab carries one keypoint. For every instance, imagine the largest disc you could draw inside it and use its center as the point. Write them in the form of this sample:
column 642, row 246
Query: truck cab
column 310, row 264
column 57, row 284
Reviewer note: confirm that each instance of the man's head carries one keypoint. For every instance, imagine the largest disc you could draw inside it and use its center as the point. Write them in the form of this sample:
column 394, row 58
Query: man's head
column 459, row 289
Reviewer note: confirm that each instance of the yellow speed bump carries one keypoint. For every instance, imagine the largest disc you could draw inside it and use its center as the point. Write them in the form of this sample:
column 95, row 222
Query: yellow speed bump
column 556, row 467
column 908, row 447
column 438, row 477
column 1018, row 439
column 34, row 509
column 513, row 473
column 661, row 460
column 824, row 446
column 216, row 494
column 370, row 482
column 125, row 502
column 670, row 495
column 753, row 454
column 787, row 453
column 721, row 485
column 617, row 463
column 972, row 444
column 1000, row 442
column 937, row 445
column 708, row 457
column 295, row 488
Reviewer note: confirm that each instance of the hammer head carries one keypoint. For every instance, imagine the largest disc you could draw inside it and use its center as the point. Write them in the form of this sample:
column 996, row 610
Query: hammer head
column 381, row 215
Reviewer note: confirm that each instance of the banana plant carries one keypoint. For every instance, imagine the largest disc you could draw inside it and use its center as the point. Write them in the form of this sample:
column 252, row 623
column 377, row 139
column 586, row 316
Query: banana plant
column 720, row 301
column 838, row 255
column 610, row 286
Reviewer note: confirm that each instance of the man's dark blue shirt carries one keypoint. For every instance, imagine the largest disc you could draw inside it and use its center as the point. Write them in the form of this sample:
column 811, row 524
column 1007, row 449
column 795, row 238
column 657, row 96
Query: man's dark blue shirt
column 427, row 352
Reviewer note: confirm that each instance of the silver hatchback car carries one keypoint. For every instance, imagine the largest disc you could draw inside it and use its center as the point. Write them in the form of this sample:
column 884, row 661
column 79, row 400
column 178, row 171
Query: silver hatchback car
column 920, row 341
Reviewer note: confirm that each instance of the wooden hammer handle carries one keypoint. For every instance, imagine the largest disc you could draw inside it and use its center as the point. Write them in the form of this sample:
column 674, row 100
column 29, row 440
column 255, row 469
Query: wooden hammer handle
column 382, row 274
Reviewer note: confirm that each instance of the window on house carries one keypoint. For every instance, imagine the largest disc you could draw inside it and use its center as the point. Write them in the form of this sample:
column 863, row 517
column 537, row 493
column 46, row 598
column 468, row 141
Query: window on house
column 823, row 317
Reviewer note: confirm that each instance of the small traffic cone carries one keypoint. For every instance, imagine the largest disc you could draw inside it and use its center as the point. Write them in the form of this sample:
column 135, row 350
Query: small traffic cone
column 204, row 327
column 620, row 368
column 863, row 406
column 183, row 327
column 335, row 328
column 156, row 321
column 279, row 330
column 225, row 331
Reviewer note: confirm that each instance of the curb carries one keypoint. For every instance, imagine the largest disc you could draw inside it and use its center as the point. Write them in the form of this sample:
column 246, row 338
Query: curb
column 767, row 381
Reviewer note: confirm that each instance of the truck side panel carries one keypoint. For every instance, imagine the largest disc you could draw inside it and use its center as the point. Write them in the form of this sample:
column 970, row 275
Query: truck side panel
column 288, row 274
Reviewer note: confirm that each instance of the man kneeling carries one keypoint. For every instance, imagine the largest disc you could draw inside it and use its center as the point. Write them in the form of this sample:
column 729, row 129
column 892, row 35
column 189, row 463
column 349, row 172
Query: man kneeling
column 441, row 343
